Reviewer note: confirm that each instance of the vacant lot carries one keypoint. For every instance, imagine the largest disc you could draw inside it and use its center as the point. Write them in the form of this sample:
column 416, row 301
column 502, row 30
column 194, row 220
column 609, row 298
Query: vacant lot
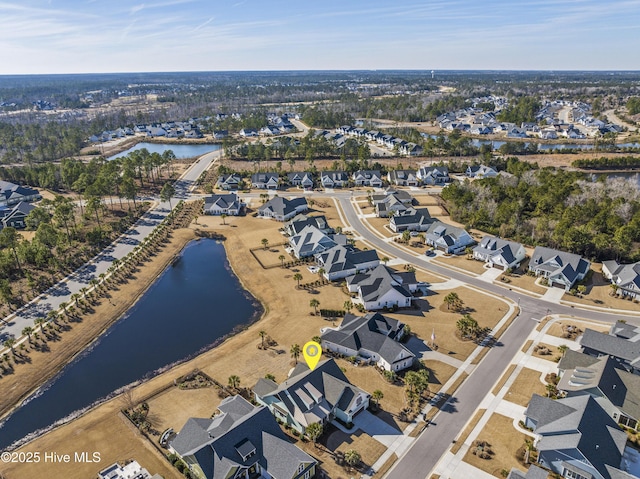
column 462, row 262
column 526, row 385
column 505, row 442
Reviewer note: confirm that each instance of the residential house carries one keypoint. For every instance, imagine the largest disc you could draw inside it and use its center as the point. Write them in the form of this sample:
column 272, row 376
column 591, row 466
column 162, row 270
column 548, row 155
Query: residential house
column 269, row 130
column 625, row 276
column 220, row 134
column 228, row 204
column 370, row 178
column 379, row 289
column 156, row 131
column 249, row 132
column 617, row 391
column 312, row 396
column 391, row 202
column 480, row 172
column 229, row 182
column 373, row 337
column 131, row 470
column 342, row 261
column 302, row 179
column 434, row 175
column 575, row 437
column 283, row 209
column 499, row 253
column 15, row 216
column 310, row 241
column 403, row 178
column 298, row 223
column 240, row 441
column 334, row 179
column 560, row 268
column 410, row 149
column 265, row 181
column 447, row 238
column 412, row 220
column 623, row 343
column 12, row 194
column 534, row 472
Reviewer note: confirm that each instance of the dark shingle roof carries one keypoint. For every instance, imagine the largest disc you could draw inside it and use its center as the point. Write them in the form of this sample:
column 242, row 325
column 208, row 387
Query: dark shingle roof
column 612, row 345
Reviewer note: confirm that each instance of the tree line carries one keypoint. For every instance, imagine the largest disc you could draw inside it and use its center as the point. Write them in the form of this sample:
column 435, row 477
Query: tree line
column 551, row 207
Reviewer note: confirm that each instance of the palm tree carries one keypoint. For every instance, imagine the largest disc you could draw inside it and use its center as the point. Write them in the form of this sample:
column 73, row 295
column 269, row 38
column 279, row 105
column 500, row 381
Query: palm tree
column 262, row 334
column 75, row 297
column 282, row 258
column 314, row 303
column 10, row 343
column 321, row 272
column 27, row 331
column 563, row 349
column 265, row 243
column 352, row 457
column 385, row 259
column 314, row 431
column 234, row 381
column 297, row 277
column 40, row 323
column 295, row 352
column 317, row 339
column 377, row 396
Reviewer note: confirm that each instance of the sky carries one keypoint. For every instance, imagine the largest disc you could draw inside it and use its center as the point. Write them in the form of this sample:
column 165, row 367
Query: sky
column 89, row 36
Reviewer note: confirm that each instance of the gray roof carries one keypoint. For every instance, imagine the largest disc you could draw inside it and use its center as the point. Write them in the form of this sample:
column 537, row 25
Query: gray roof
column 10, row 190
column 310, row 241
column 558, row 262
column 626, row 331
column 341, row 258
column 578, row 422
column 334, row 176
column 443, row 232
column 377, row 283
column 373, row 332
column 309, row 395
column 607, row 344
column 413, row 216
column 534, row 472
column 258, row 178
column 228, row 201
column 573, row 359
column 492, row 246
column 403, row 175
column 223, row 442
column 626, row 276
column 298, row 222
column 300, row 176
column 280, row 206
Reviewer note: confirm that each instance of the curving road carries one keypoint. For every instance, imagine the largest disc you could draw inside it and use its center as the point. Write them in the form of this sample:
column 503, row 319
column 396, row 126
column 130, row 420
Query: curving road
column 424, row 454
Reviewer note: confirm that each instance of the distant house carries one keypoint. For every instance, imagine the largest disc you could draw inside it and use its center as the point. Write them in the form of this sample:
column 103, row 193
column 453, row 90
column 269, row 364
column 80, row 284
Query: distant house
column 310, row 241
column 298, row 223
column 480, row 171
column 412, row 220
column 241, row 441
column 220, row 134
column 615, row 390
column 15, row 216
column 312, row 396
column 12, row 194
column 283, row 209
column 560, row 268
column 434, row 175
column 499, row 253
column 248, row 132
column 410, row 149
column 229, row 182
column 156, row 131
column 374, row 337
column 342, row 261
column 370, row 178
column 334, row 179
column 302, row 179
column 228, row 204
column 391, row 202
column 623, row 343
column 265, row 181
column 625, row 276
column 403, row 178
column 447, row 238
column 130, row 470
column 379, row 289
column 575, row 437
column 269, row 130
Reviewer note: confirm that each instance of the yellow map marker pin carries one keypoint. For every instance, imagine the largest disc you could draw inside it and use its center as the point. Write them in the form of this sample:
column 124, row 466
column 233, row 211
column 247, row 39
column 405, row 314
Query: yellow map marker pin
column 312, row 352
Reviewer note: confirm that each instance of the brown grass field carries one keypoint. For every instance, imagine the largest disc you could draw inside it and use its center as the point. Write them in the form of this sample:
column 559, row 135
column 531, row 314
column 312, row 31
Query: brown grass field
column 462, row 262
column 598, row 294
column 505, row 442
column 526, row 384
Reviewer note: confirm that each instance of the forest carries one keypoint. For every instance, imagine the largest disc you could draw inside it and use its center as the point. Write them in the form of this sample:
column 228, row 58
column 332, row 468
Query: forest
column 599, row 219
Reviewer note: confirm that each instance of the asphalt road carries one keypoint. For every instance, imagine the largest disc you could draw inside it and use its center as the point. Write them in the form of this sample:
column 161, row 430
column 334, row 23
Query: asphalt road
column 422, row 457
column 12, row 326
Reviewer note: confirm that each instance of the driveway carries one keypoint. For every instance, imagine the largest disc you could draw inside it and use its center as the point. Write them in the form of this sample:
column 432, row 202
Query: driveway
column 553, row 295
column 375, row 427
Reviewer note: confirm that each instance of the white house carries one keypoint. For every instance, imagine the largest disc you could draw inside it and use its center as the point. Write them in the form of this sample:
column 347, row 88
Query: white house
column 283, row 209
column 379, row 289
column 228, row 204
column 448, row 238
column 499, row 253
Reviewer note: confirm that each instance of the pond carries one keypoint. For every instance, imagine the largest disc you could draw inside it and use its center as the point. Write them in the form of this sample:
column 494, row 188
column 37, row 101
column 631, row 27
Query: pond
column 180, row 150
column 193, row 304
